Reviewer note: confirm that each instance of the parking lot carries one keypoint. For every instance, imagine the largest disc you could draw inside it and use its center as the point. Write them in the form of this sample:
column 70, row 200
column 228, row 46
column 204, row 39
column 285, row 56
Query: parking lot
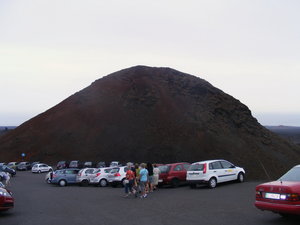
column 39, row 203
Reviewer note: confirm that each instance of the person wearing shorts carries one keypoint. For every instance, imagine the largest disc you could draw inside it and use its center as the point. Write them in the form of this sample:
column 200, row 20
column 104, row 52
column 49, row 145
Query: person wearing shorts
column 143, row 180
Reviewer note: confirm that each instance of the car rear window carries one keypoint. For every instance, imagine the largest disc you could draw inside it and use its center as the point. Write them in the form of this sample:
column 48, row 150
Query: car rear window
column 196, row 167
column 291, row 175
column 164, row 169
column 115, row 170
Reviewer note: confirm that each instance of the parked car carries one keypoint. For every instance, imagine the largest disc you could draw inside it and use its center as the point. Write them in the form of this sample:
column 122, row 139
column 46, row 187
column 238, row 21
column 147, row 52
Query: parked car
column 281, row 196
column 7, row 169
column 24, row 166
column 6, row 199
column 12, row 165
column 100, row 176
column 64, row 177
column 101, row 164
column 75, row 164
column 84, row 176
column 33, row 163
column 173, row 174
column 88, row 164
column 117, row 176
column 62, row 165
column 40, row 168
column 212, row 172
column 115, row 164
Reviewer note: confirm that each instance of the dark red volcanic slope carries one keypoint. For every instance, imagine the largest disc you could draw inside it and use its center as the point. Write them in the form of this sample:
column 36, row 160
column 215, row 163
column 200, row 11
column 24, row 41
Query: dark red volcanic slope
column 151, row 114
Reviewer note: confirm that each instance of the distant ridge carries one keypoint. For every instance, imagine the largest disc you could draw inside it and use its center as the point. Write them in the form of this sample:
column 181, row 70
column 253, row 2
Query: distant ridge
column 152, row 114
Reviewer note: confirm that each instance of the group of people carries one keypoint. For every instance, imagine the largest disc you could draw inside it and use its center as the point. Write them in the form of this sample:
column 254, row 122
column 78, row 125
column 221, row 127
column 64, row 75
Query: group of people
column 141, row 179
column 4, row 178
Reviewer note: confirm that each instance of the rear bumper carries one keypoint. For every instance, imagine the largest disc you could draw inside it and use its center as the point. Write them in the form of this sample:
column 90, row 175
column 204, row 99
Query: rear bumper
column 197, row 181
column 278, row 208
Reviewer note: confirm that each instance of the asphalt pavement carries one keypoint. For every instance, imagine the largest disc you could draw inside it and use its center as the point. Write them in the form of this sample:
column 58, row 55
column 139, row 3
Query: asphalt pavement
column 39, row 203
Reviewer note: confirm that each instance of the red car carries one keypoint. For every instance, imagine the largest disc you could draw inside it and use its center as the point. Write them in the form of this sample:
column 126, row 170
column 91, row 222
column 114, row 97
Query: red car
column 6, row 199
column 173, row 174
column 281, row 196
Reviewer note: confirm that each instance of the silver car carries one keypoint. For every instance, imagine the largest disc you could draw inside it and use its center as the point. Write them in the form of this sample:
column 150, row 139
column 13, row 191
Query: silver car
column 84, row 176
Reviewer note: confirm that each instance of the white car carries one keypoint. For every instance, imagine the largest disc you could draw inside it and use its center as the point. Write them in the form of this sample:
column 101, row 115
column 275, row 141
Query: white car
column 84, row 176
column 100, row 176
column 117, row 176
column 40, row 168
column 212, row 172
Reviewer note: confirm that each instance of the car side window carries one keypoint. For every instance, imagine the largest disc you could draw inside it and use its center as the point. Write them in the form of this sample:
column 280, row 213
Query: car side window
column 178, row 168
column 226, row 165
column 216, row 165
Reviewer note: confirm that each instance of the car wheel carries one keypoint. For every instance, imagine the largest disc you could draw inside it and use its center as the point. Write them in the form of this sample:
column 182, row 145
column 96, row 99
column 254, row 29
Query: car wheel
column 103, row 183
column 50, row 170
column 241, row 177
column 175, row 183
column 212, row 183
column 62, row 183
column 39, row 171
column 84, row 183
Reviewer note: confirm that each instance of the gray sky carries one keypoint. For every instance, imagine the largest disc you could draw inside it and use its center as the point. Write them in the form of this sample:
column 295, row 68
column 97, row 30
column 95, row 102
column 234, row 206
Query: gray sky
column 50, row 49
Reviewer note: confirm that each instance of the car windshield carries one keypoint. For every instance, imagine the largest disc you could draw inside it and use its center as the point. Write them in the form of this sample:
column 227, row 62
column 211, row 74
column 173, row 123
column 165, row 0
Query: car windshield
column 291, row 175
column 196, row 167
column 164, row 169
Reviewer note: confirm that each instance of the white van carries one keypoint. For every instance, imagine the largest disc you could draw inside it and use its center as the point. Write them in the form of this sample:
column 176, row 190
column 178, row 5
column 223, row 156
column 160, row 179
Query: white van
column 212, row 172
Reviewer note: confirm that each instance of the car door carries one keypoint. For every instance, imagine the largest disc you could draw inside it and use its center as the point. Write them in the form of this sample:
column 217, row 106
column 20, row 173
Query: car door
column 179, row 172
column 230, row 171
column 217, row 171
column 43, row 168
column 88, row 173
column 71, row 176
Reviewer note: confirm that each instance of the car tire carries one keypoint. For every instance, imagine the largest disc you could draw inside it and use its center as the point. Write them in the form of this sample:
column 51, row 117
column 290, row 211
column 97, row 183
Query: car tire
column 39, row 171
column 84, row 183
column 103, row 183
column 212, row 183
column 175, row 183
column 62, row 183
column 241, row 177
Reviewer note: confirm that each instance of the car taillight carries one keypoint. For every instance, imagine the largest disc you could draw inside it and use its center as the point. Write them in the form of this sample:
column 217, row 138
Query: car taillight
column 117, row 174
column 98, row 174
column 53, row 175
column 204, row 168
column 292, row 197
column 79, row 174
column 258, row 194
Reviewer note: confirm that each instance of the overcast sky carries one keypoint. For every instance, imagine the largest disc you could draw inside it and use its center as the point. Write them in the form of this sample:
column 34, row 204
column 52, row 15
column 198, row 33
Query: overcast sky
column 50, row 49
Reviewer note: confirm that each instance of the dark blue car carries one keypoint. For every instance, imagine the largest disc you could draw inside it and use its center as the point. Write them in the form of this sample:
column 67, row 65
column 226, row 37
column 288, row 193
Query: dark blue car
column 64, row 177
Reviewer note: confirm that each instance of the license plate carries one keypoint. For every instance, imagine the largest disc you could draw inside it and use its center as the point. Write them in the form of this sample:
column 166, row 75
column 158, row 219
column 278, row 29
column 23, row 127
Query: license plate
column 272, row 196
